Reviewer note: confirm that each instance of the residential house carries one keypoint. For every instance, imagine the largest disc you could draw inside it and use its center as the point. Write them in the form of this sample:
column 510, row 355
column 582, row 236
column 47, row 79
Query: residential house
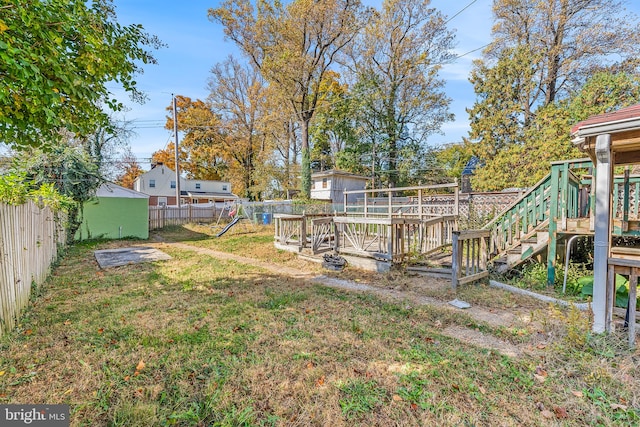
column 330, row 185
column 160, row 184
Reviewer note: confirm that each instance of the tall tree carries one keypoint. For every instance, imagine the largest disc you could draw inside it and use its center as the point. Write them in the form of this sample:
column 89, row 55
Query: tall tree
column 56, row 59
column 293, row 46
column 238, row 95
column 334, row 125
column 542, row 54
column 201, row 153
column 402, row 96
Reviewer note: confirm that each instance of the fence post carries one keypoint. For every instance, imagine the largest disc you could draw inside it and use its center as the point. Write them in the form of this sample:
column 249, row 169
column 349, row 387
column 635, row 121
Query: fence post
column 455, row 260
column 303, row 231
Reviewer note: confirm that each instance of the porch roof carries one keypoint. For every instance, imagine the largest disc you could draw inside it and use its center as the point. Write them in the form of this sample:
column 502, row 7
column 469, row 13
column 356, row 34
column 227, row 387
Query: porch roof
column 624, row 127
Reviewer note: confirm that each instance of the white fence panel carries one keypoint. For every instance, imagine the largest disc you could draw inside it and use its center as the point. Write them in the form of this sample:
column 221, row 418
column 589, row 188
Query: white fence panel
column 29, row 241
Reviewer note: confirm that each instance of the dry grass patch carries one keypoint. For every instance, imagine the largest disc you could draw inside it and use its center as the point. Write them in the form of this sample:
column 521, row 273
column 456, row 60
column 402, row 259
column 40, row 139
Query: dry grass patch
column 200, row 341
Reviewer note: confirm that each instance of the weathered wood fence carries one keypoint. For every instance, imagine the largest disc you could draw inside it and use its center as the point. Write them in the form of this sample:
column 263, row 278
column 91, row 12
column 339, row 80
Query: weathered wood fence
column 29, row 241
column 470, row 256
column 391, row 239
column 162, row 216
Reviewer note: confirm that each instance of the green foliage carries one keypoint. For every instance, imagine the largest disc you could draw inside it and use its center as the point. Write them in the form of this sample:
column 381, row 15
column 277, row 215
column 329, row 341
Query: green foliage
column 67, row 170
column 452, row 158
column 523, row 163
column 15, row 189
column 56, row 59
column 622, row 289
column 550, row 65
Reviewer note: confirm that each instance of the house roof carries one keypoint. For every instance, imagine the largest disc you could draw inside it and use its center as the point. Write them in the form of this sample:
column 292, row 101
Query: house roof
column 208, row 194
column 109, row 189
column 619, row 116
column 470, row 167
column 623, row 128
column 337, row 172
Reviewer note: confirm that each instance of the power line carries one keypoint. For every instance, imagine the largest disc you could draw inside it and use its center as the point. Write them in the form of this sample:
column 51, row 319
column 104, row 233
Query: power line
column 459, row 12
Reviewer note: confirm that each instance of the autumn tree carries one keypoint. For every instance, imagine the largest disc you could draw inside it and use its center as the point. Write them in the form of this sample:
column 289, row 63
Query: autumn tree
column 402, row 99
column 56, row 59
column 293, row 46
column 283, row 135
column 200, row 145
column 238, row 96
column 129, row 169
column 542, row 55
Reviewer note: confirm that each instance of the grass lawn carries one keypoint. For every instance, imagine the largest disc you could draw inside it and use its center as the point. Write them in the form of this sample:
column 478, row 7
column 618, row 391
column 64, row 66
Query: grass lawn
column 201, row 341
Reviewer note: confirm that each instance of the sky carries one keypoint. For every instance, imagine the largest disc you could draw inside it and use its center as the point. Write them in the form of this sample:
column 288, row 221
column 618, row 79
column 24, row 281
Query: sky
column 195, row 45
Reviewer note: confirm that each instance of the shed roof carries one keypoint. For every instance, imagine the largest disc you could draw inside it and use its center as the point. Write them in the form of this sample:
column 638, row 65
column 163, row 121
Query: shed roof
column 109, row 189
column 621, row 115
column 338, row 172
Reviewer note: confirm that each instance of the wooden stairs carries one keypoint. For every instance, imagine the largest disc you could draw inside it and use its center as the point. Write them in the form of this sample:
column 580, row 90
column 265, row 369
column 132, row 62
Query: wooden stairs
column 532, row 244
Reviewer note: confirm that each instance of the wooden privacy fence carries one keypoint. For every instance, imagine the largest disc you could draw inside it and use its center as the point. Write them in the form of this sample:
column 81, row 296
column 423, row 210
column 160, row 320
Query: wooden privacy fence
column 470, row 255
column 161, row 216
column 29, row 240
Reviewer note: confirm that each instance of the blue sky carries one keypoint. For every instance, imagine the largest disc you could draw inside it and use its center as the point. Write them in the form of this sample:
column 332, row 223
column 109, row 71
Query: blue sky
column 194, row 45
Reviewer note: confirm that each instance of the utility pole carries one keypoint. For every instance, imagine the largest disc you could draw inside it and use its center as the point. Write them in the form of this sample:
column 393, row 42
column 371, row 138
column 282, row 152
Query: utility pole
column 175, row 132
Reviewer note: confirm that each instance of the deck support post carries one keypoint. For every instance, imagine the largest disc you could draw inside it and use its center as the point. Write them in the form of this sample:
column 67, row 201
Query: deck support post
column 601, row 314
column 553, row 224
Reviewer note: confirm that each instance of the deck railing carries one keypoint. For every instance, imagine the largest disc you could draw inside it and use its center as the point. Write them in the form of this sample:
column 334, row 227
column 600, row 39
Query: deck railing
column 470, row 256
column 391, row 239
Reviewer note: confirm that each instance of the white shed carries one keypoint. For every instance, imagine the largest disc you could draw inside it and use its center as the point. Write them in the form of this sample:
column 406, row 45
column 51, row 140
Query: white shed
column 330, row 185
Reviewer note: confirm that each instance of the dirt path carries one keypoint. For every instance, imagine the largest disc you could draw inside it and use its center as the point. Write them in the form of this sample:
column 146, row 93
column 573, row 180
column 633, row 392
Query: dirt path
column 472, row 336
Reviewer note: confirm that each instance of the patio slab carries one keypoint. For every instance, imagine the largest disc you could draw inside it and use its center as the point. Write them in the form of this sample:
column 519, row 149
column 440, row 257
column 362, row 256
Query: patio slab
column 124, row 256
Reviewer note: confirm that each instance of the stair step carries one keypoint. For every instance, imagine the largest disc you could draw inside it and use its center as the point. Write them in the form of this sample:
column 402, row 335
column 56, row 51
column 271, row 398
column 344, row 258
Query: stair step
column 532, row 240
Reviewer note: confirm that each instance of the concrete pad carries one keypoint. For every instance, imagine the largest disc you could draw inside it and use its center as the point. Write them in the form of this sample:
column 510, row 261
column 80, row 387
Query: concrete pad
column 124, row 256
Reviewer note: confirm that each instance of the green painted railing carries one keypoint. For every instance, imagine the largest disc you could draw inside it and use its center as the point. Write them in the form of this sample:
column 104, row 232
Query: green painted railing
column 552, row 201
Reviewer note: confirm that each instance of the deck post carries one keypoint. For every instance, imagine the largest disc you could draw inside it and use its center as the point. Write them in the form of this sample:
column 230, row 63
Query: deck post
column 345, row 203
column 456, row 201
column 390, row 202
column 564, row 191
column 601, row 314
column 554, row 193
column 303, row 231
column 625, row 201
column 365, row 205
column 455, row 260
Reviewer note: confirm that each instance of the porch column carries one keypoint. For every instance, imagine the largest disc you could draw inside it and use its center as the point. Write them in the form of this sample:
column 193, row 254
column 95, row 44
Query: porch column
column 601, row 317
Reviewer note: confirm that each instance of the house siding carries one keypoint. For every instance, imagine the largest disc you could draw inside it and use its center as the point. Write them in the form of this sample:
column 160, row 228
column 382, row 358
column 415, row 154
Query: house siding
column 163, row 176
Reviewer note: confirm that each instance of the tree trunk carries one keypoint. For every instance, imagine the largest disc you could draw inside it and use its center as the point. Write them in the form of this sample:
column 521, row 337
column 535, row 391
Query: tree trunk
column 305, row 165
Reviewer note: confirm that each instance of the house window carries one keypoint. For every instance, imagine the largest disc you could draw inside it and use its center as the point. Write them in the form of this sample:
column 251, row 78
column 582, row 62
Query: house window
column 197, row 185
column 324, row 182
column 194, row 201
column 173, row 184
column 224, row 188
column 162, row 201
column 152, row 183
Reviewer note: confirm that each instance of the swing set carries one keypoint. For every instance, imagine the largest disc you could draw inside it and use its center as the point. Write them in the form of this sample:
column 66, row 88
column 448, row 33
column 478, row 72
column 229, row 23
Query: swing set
column 235, row 211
